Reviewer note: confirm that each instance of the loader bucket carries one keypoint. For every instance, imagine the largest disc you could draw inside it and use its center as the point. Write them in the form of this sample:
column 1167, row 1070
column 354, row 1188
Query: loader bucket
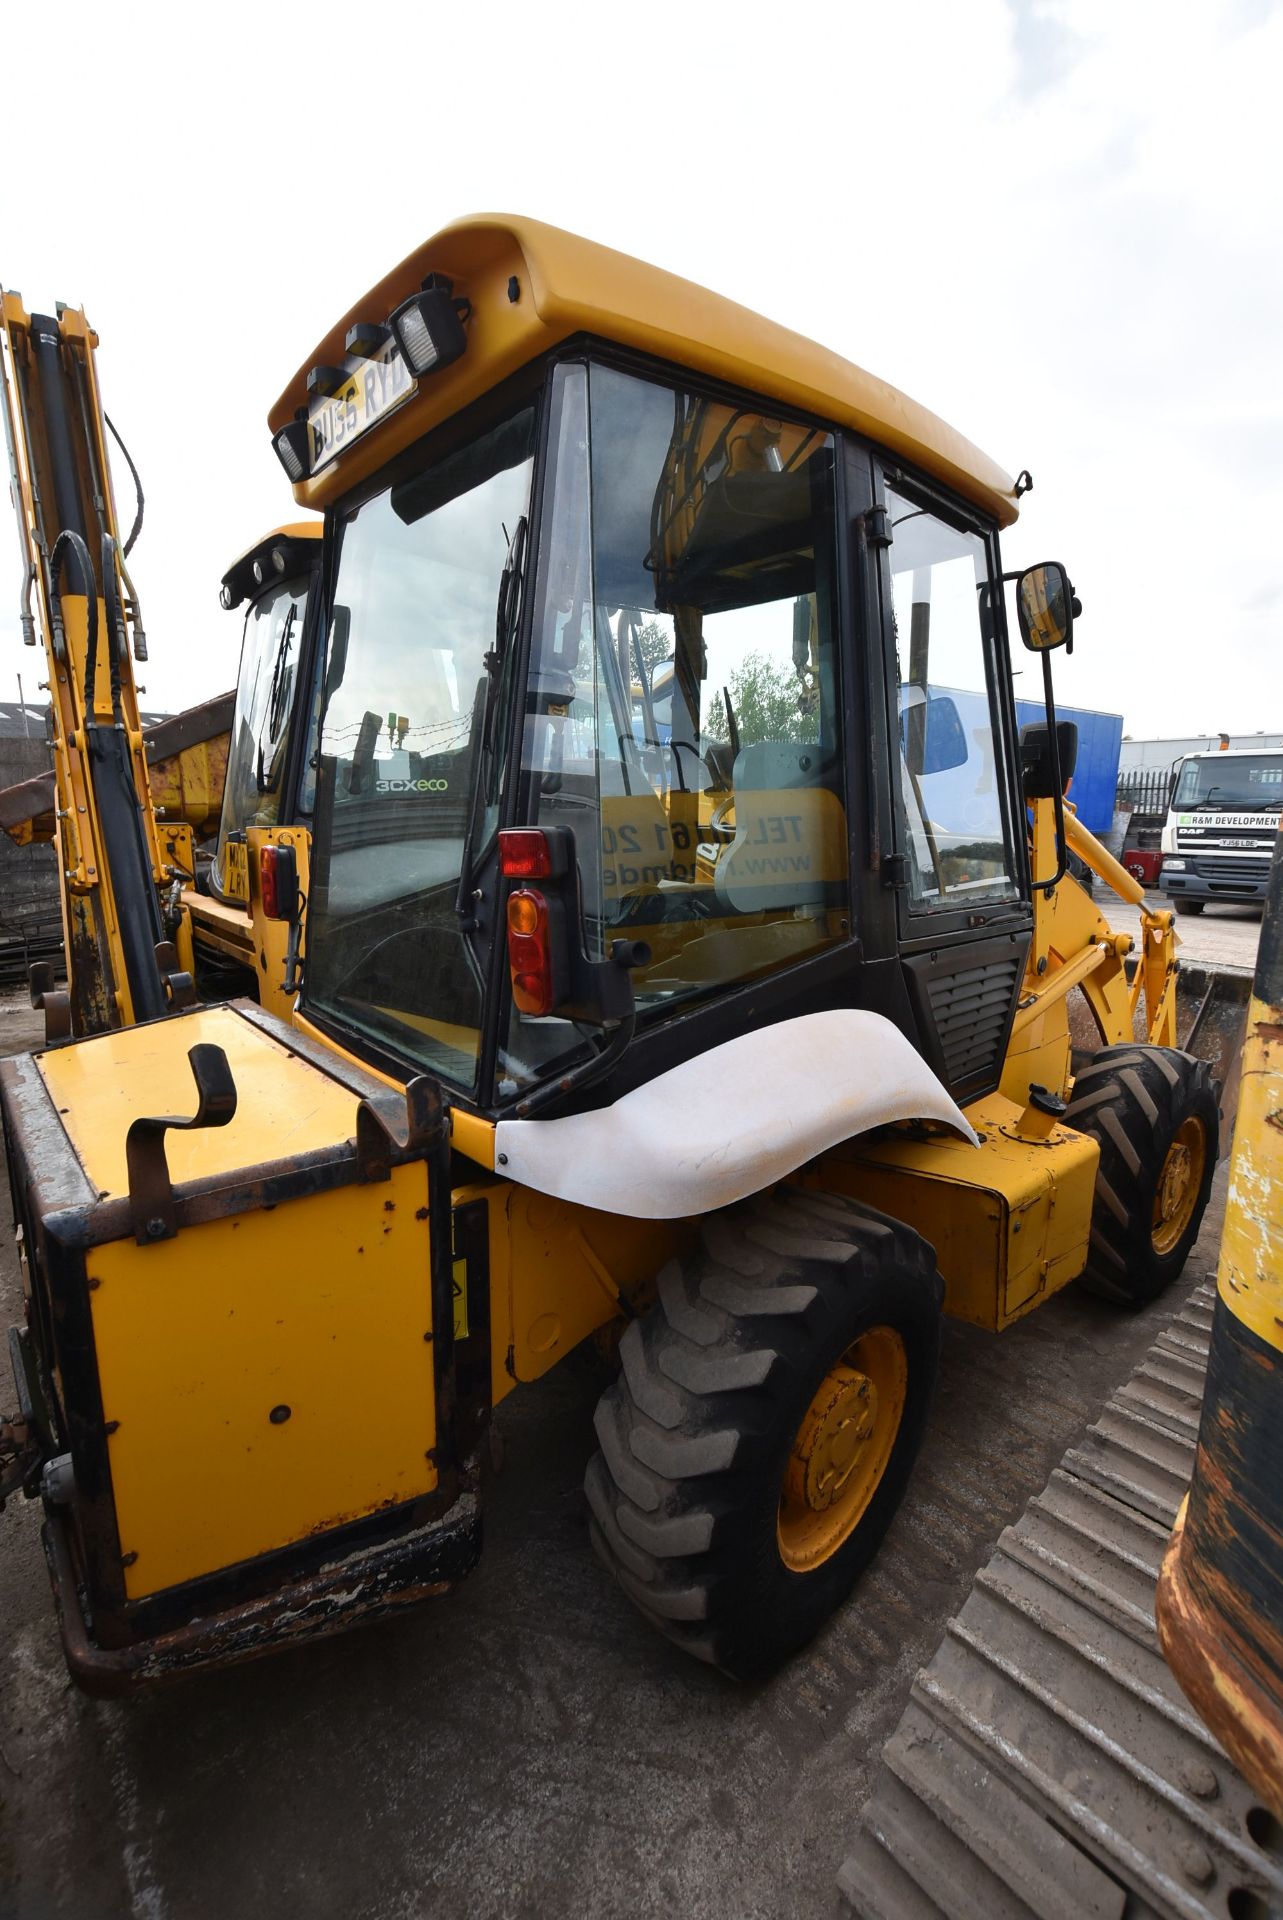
column 1213, row 1013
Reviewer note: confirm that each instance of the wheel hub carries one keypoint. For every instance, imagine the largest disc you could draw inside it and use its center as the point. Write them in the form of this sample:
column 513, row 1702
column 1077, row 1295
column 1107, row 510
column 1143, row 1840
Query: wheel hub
column 833, row 1436
column 1179, row 1181
column 1175, row 1179
column 841, row 1449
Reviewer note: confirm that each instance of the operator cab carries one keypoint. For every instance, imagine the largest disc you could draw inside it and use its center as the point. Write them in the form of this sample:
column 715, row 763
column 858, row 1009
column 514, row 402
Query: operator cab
column 270, row 780
column 737, row 666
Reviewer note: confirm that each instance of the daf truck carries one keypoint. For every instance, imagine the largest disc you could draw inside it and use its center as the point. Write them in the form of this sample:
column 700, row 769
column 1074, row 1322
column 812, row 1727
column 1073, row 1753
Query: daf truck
column 1222, row 823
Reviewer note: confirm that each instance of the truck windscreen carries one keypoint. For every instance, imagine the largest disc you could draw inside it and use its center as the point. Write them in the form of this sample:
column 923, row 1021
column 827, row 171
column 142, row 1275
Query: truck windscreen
column 1253, row 782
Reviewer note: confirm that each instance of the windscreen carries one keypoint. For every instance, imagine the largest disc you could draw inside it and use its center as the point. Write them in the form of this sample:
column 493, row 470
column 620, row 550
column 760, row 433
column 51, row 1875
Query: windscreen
column 1231, row 783
column 413, row 620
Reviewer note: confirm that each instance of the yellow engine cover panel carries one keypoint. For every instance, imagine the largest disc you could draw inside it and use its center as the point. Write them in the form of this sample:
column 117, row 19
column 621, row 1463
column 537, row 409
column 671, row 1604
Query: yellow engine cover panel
column 1009, row 1220
column 265, row 1376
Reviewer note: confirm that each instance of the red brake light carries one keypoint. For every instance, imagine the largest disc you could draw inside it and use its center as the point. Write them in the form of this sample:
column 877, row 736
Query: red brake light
column 529, row 948
column 267, row 882
column 524, row 854
column 277, row 881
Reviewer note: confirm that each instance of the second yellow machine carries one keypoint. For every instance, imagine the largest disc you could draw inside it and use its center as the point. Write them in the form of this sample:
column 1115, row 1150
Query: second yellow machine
column 681, row 946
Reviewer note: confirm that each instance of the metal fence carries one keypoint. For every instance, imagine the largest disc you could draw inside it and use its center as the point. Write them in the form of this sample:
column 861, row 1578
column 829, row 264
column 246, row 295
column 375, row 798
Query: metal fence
column 1143, row 790
column 18, row 954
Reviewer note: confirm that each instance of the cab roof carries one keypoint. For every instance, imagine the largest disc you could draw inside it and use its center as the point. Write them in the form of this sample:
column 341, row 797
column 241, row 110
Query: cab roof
column 240, row 582
column 563, row 286
column 1231, row 753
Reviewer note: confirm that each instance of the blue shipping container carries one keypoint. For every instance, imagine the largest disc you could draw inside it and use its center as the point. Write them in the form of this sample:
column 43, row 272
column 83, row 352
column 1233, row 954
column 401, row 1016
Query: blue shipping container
column 1100, row 745
column 1100, row 739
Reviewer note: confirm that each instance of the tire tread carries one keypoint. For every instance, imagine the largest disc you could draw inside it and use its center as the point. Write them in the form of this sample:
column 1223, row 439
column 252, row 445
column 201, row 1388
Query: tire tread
column 682, row 1430
column 1132, row 1100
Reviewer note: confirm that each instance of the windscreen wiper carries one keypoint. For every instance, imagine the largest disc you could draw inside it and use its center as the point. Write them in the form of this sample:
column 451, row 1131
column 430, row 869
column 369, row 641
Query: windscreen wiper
column 277, row 704
column 483, row 711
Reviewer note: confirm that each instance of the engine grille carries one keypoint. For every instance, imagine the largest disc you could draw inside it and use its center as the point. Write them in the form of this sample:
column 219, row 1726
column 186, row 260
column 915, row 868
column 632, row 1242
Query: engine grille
column 1232, row 871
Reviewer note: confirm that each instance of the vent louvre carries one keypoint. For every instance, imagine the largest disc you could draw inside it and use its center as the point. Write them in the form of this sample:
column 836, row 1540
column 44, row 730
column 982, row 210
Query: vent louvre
column 971, row 1009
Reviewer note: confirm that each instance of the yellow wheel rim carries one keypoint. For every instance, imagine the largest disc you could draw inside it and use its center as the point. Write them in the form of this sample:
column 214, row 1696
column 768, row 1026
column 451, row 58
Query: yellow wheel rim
column 841, row 1449
column 1179, row 1184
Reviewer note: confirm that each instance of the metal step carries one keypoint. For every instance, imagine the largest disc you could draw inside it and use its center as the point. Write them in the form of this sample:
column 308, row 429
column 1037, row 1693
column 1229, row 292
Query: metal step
column 1048, row 1766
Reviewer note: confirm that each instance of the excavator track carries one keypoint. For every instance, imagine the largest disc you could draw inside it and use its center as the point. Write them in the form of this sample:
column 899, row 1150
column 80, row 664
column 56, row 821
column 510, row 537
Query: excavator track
column 1048, row 1764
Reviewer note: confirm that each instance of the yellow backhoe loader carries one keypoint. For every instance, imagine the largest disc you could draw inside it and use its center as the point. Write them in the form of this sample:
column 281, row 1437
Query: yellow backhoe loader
column 721, row 1004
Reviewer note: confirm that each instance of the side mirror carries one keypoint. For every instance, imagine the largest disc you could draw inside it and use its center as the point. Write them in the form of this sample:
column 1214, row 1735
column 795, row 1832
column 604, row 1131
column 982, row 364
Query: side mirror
column 1035, row 758
column 661, row 692
column 932, row 736
column 1046, row 606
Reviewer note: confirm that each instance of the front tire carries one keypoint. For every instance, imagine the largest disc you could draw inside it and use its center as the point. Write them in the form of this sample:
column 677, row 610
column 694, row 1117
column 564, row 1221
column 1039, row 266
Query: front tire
column 1154, row 1113
column 761, row 1435
column 1187, row 906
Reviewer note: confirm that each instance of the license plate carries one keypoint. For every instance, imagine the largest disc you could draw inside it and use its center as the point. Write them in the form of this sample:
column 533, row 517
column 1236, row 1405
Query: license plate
column 374, row 388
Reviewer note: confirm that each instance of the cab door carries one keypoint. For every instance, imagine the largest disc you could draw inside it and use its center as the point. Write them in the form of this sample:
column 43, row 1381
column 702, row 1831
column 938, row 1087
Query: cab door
column 959, row 863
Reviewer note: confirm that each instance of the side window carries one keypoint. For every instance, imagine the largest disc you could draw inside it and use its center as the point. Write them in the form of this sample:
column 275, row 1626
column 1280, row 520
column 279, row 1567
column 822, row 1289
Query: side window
column 950, row 782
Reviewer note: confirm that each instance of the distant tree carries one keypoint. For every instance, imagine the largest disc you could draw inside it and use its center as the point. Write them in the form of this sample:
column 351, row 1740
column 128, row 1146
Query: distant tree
column 769, row 703
column 656, row 644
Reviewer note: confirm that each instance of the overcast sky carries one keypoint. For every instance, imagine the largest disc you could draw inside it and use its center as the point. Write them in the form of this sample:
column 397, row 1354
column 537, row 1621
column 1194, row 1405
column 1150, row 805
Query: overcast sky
column 1056, row 222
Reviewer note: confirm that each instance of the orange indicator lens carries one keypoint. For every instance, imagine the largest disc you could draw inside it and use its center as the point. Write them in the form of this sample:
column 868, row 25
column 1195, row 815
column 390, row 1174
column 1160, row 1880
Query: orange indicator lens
column 529, row 955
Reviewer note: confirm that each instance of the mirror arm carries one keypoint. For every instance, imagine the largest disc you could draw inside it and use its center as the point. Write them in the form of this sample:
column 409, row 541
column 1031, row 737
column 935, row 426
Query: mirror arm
column 1048, row 887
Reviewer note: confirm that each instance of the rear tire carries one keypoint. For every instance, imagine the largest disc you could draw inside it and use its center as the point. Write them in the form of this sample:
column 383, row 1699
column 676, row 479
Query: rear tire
column 762, row 1432
column 1153, row 1112
column 1187, row 906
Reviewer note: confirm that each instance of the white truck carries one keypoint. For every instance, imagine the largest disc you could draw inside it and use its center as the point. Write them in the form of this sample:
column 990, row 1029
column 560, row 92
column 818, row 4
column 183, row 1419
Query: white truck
column 1222, row 825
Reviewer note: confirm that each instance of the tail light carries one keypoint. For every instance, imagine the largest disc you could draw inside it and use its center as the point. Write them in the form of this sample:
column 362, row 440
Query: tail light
column 524, row 854
column 530, row 951
column 278, row 882
column 550, row 970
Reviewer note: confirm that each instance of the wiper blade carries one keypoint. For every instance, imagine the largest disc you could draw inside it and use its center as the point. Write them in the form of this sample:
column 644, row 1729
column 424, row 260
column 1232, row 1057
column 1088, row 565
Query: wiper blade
column 483, row 711
column 505, row 613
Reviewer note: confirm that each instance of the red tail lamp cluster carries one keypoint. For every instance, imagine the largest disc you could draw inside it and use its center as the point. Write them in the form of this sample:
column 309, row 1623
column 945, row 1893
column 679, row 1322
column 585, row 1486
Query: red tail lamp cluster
column 530, row 951
column 525, row 854
column 278, row 882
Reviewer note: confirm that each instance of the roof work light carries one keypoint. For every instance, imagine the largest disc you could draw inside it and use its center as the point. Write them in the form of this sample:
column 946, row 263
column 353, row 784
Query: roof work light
column 428, row 326
column 364, row 341
column 292, row 447
column 323, row 381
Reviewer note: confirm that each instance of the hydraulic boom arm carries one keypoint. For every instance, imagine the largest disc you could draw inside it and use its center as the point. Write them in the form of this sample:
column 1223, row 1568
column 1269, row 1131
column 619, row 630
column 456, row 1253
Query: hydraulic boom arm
column 78, row 594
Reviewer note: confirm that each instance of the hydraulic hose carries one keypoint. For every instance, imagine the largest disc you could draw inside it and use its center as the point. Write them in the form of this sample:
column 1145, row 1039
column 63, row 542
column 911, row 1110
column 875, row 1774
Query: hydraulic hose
column 75, row 546
column 115, row 625
column 140, row 503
